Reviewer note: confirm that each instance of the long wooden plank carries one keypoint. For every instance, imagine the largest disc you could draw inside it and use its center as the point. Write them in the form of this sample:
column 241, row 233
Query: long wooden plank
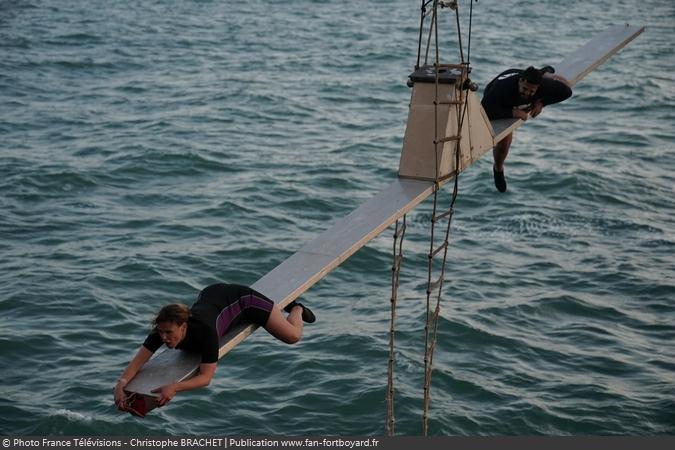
column 504, row 127
column 596, row 51
column 330, row 249
column 579, row 64
column 311, row 263
column 298, row 273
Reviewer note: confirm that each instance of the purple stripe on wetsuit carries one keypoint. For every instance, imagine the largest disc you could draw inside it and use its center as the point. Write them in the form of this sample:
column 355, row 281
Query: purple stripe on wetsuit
column 231, row 313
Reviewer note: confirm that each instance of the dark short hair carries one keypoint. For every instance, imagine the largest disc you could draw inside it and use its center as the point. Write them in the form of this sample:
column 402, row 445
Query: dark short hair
column 176, row 313
column 531, row 75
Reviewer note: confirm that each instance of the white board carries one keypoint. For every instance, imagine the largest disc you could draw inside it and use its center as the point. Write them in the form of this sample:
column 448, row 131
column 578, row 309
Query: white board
column 330, row 249
column 579, row 64
column 298, row 273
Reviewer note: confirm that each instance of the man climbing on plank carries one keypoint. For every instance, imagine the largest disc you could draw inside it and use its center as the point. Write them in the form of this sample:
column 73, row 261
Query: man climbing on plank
column 520, row 94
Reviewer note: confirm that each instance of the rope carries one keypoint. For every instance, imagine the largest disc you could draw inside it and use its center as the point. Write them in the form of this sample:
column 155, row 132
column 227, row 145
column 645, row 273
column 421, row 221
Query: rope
column 434, row 24
column 431, row 323
column 399, row 234
column 431, row 326
column 453, row 5
column 468, row 46
column 431, row 29
column 459, row 36
column 423, row 14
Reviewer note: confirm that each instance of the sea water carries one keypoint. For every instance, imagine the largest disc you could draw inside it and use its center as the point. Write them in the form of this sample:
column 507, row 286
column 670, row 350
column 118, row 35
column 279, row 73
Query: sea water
column 148, row 149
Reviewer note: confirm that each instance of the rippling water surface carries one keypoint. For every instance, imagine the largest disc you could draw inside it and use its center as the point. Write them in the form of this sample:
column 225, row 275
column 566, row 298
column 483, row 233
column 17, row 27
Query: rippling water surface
column 148, row 149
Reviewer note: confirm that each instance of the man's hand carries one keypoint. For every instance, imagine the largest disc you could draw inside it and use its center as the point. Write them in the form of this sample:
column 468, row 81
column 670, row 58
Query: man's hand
column 537, row 107
column 166, row 393
column 520, row 114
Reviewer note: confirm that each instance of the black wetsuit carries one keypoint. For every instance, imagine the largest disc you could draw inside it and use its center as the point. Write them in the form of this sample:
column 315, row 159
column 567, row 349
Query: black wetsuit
column 218, row 308
column 501, row 94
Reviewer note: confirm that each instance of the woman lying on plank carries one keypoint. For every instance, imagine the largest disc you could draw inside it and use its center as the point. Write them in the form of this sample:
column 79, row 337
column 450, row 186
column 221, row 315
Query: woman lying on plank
column 218, row 308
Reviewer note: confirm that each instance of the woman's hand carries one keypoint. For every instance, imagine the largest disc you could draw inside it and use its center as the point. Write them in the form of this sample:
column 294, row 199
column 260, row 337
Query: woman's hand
column 129, row 373
column 120, row 396
column 166, row 393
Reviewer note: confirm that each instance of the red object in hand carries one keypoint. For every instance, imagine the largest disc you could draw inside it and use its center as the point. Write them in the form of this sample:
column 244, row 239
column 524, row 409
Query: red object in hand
column 137, row 406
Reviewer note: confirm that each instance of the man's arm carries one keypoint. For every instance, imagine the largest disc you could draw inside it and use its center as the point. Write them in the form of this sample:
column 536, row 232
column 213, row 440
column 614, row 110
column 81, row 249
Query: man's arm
column 558, row 78
column 494, row 108
column 498, row 98
column 554, row 89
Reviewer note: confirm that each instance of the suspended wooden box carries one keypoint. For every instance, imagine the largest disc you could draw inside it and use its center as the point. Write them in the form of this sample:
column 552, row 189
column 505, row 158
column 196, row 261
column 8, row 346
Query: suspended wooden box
column 430, row 148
